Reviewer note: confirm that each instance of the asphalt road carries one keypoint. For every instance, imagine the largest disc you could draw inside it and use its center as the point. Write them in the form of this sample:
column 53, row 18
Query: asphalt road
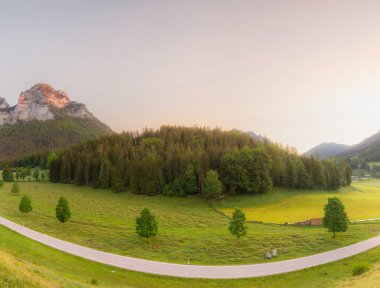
column 194, row 271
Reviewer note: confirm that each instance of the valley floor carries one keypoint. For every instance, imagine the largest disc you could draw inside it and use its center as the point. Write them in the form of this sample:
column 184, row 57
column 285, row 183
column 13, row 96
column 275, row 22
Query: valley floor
column 189, row 229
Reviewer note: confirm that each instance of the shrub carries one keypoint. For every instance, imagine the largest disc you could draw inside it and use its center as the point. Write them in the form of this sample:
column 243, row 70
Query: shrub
column 360, row 269
column 167, row 190
column 15, row 188
column 25, row 205
column 62, row 211
column 175, row 189
column 94, row 282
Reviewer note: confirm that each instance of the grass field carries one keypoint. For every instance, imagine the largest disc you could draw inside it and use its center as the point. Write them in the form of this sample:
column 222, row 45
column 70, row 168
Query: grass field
column 362, row 201
column 28, row 264
column 188, row 228
column 370, row 279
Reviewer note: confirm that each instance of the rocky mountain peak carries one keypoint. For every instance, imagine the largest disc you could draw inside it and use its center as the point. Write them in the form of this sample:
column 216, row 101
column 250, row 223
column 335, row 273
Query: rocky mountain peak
column 41, row 103
column 44, row 94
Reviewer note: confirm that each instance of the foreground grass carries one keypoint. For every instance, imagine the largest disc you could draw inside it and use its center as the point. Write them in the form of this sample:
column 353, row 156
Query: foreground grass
column 26, row 263
column 188, row 228
column 370, row 279
column 362, row 201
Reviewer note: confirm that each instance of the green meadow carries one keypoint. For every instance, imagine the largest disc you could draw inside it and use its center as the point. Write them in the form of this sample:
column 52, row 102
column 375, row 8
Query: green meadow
column 361, row 199
column 189, row 229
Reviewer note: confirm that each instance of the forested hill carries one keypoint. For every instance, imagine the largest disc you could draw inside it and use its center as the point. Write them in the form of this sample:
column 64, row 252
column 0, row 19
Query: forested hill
column 368, row 150
column 175, row 161
column 39, row 137
column 23, row 139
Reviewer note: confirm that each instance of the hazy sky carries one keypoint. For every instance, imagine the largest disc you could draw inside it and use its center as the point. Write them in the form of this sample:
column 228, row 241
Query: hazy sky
column 299, row 72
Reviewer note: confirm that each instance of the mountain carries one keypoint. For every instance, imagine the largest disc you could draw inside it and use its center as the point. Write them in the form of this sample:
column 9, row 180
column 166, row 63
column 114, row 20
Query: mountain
column 368, row 150
column 326, row 150
column 44, row 119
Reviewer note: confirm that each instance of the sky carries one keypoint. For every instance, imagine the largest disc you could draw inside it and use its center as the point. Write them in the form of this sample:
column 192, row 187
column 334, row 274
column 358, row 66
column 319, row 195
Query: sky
column 299, row 72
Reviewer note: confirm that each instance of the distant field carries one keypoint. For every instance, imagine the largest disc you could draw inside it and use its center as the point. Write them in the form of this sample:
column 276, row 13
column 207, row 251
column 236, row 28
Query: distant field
column 362, row 201
column 28, row 264
column 188, row 228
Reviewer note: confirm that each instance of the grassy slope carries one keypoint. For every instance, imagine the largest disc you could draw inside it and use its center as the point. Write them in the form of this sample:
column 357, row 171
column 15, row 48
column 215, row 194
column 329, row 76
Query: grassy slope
column 25, row 263
column 367, row 280
column 188, row 228
column 362, row 201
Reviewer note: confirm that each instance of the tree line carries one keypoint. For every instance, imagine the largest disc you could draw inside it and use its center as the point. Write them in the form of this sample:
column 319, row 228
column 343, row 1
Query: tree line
column 174, row 161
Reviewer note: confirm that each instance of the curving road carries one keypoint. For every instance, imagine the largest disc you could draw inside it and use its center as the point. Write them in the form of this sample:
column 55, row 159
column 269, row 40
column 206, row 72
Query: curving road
column 194, row 271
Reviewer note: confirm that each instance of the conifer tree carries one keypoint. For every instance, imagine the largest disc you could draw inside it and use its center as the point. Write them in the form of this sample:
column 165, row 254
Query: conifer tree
column 190, row 181
column 62, row 211
column 348, row 175
column 303, row 178
column 212, row 186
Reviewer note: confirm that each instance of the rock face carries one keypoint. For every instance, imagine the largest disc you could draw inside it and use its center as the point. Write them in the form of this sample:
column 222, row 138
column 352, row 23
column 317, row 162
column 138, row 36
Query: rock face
column 41, row 102
column 3, row 103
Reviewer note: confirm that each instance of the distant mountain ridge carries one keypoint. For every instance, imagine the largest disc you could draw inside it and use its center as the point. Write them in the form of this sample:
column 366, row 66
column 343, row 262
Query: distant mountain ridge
column 44, row 119
column 367, row 150
column 326, row 150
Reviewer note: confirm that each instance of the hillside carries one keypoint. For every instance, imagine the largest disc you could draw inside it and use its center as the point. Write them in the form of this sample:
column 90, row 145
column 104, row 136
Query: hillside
column 367, row 150
column 326, row 150
column 43, row 120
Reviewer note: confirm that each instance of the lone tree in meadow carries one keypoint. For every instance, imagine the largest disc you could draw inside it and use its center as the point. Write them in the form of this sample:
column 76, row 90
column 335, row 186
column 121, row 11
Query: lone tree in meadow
column 25, row 205
column 62, row 211
column 212, row 185
column 335, row 219
column 238, row 225
column 146, row 224
column 15, row 189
